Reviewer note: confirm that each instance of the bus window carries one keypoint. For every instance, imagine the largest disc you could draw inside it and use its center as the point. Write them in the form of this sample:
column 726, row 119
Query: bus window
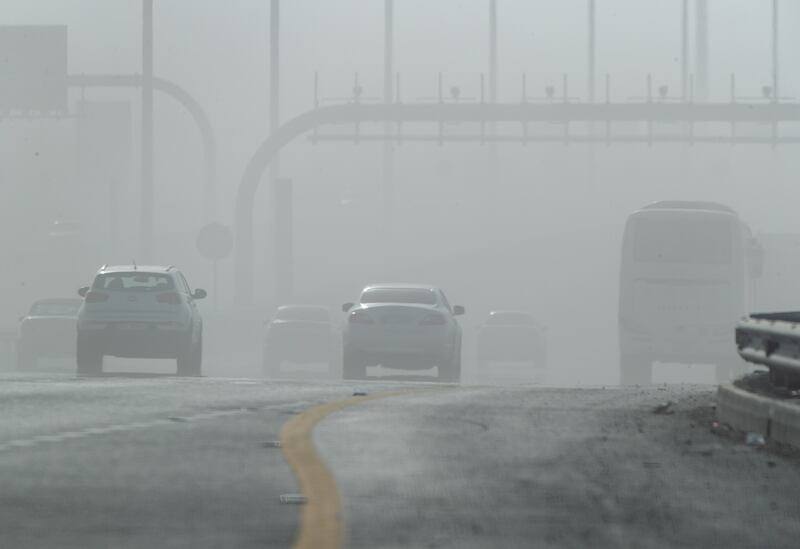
column 684, row 239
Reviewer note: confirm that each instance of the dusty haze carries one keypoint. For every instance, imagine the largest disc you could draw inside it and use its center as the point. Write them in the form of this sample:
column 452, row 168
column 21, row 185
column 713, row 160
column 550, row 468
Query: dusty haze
column 540, row 230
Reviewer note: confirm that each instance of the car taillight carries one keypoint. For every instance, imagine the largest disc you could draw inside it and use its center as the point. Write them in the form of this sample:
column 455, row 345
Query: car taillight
column 171, row 298
column 96, row 297
column 432, row 320
column 360, row 317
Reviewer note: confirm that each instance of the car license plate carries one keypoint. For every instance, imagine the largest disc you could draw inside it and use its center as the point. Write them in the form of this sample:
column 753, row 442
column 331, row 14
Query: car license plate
column 396, row 319
column 132, row 326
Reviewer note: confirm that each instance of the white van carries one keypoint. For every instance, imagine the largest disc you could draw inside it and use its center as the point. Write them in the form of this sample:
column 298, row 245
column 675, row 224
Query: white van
column 685, row 279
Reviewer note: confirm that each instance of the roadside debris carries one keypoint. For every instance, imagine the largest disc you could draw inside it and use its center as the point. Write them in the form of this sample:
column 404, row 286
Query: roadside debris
column 754, row 439
column 271, row 444
column 360, row 394
column 293, row 499
column 704, row 450
column 720, row 428
column 664, row 409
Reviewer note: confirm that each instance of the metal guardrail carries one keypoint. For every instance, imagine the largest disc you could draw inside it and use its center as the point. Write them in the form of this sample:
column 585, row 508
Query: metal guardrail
column 772, row 340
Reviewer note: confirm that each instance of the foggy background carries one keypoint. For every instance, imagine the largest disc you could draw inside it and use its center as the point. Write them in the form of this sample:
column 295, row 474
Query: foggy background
column 540, row 231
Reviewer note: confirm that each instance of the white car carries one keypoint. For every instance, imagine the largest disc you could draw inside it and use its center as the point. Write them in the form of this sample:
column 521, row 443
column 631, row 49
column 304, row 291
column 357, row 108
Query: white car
column 512, row 336
column 300, row 334
column 403, row 326
column 140, row 312
column 47, row 331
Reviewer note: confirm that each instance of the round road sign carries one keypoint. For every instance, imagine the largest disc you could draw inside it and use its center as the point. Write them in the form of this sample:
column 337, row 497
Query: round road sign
column 215, row 241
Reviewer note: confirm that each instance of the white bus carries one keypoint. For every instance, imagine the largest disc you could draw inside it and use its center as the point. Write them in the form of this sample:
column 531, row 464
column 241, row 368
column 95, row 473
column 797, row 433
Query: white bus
column 685, row 279
column 778, row 288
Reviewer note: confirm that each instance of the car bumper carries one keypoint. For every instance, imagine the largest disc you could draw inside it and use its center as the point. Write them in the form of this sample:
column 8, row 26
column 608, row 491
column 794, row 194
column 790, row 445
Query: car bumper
column 138, row 340
column 413, row 355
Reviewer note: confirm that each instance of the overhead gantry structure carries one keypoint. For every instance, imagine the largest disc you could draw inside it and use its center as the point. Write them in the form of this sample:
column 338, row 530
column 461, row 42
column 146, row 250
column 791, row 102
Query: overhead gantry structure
column 524, row 113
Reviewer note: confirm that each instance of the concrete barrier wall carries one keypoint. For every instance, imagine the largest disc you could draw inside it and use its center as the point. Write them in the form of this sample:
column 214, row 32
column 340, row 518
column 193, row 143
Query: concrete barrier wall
column 786, row 424
column 742, row 410
column 776, row 420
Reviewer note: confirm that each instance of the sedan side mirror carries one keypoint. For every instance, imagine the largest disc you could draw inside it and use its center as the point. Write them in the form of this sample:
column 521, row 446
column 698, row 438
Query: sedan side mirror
column 83, row 291
column 199, row 293
column 347, row 306
column 458, row 310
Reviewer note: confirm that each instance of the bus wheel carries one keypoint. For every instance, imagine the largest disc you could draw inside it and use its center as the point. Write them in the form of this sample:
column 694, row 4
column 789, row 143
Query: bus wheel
column 635, row 370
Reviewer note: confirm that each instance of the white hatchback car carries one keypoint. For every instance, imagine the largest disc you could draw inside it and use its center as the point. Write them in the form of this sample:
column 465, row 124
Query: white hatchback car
column 140, row 312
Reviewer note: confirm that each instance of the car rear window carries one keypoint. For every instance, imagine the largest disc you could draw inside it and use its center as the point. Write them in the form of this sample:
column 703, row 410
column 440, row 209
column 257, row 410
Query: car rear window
column 421, row 296
column 310, row 314
column 133, row 282
column 55, row 308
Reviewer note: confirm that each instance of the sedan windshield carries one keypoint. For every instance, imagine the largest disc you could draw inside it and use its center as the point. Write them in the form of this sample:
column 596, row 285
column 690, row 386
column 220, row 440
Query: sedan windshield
column 422, row 296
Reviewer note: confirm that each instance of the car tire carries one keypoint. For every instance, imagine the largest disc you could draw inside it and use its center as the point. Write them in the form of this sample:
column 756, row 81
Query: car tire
column 353, row 365
column 89, row 356
column 26, row 357
column 190, row 360
column 451, row 371
column 635, row 370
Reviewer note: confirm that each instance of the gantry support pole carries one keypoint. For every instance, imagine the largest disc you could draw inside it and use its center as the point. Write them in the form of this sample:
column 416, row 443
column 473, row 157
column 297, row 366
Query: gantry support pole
column 776, row 92
column 591, row 53
column 685, row 50
column 701, row 51
column 279, row 189
column 146, row 217
column 492, row 127
column 388, row 97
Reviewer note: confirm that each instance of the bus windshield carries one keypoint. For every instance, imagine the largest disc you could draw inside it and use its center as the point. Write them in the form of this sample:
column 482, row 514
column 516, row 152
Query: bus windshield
column 683, row 239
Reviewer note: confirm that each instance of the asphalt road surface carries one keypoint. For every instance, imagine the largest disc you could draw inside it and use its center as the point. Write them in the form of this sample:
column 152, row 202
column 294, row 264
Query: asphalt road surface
column 164, row 462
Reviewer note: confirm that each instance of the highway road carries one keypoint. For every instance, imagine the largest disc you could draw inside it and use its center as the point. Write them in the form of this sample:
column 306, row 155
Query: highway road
column 132, row 461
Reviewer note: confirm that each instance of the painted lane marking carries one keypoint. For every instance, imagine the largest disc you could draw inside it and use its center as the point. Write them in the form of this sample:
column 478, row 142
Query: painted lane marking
column 137, row 425
column 321, row 519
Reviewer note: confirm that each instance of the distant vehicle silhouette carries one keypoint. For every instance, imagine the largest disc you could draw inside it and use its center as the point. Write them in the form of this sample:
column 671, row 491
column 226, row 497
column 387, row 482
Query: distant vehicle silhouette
column 686, row 277
column 512, row 336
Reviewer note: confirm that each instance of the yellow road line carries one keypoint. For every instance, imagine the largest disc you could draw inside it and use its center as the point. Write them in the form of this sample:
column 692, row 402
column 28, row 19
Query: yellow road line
column 321, row 520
